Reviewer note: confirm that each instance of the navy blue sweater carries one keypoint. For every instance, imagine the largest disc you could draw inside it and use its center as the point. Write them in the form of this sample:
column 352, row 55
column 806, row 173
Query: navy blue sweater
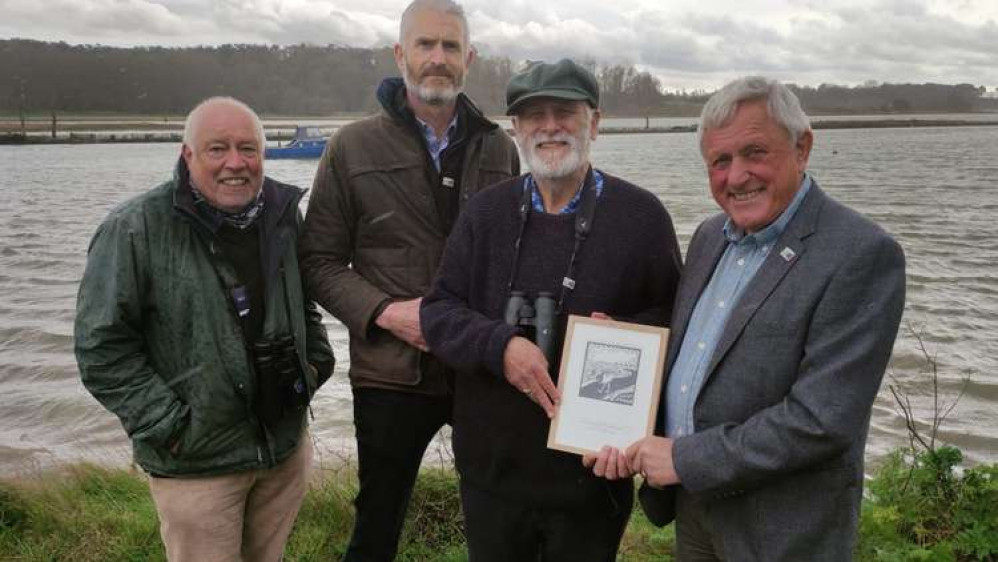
column 628, row 267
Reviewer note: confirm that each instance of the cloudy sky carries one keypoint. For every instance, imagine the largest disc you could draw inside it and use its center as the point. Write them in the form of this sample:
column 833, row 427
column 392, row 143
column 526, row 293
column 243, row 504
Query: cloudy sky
column 686, row 43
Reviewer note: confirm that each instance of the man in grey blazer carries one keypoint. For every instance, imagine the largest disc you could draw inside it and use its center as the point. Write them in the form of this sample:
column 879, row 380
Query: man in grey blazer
column 786, row 314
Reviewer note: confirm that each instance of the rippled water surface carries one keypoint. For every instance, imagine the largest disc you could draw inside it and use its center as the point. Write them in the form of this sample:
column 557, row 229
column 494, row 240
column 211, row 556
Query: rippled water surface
column 934, row 189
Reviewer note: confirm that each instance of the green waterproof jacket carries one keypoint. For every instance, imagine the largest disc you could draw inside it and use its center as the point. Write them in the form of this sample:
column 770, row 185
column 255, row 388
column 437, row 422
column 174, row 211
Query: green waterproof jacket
column 159, row 342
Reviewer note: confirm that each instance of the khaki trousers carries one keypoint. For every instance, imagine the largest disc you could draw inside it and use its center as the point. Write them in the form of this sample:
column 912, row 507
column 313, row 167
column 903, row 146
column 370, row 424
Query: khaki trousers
column 244, row 517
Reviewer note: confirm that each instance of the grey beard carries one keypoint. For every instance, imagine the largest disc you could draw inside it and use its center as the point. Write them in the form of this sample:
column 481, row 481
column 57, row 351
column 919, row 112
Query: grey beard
column 563, row 168
column 432, row 96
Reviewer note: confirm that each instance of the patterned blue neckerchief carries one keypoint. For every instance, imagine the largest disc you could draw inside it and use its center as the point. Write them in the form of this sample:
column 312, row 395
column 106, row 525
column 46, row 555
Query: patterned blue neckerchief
column 537, row 203
column 240, row 219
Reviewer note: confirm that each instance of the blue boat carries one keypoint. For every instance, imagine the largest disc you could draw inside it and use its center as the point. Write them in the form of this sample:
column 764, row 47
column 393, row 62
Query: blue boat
column 308, row 142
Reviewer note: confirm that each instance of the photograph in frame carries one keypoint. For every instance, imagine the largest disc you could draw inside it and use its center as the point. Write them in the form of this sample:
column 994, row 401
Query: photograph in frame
column 610, row 380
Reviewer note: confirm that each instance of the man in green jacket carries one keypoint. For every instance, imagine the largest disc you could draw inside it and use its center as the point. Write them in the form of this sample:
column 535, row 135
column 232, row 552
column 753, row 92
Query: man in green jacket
column 386, row 195
column 193, row 329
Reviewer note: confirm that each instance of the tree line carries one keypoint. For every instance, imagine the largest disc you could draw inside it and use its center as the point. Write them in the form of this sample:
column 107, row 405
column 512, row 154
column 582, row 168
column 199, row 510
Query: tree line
column 43, row 77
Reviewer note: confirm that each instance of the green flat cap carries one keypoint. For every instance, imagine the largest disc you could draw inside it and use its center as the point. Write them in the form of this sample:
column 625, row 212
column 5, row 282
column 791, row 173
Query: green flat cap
column 563, row 80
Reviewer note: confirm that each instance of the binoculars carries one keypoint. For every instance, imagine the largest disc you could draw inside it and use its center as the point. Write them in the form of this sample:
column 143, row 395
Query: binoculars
column 535, row 318
column 280, row 382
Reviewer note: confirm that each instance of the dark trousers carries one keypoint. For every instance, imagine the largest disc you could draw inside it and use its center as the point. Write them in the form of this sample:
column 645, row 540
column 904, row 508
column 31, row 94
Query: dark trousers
column 393, row 430
column 499, row 530
column 695, row 539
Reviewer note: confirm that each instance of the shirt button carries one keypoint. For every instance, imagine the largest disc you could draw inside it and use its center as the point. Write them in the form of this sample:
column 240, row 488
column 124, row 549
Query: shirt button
column 684, row 389
column 701, row 345
column 741, row 261
column 720, row 304
column 679, row 432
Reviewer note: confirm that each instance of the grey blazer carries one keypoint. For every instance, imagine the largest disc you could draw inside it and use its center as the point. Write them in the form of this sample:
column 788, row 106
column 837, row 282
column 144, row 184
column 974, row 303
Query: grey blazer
column 782, row 418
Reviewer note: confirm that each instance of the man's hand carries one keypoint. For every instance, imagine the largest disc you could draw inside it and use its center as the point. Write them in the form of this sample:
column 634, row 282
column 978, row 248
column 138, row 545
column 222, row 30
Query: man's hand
column 527, row 370
column 652, row 458
column 609, row 463
column 402, row 320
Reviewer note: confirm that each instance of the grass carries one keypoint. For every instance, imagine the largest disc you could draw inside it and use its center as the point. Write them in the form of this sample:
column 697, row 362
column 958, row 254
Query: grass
column 89, row 513
column 920, row 508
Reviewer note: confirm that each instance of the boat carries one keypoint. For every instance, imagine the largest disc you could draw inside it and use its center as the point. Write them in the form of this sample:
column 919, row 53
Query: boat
column 308, row 142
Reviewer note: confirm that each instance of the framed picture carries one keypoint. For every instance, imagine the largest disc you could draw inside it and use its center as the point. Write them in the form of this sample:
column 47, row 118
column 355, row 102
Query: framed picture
column 610, row 381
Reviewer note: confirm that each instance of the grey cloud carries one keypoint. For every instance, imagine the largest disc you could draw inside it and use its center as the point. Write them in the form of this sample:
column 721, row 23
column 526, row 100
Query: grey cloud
column 135, row 21
column 310, row 22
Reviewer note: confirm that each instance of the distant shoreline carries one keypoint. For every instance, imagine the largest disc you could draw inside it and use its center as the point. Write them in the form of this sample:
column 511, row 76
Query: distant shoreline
column 166, row 133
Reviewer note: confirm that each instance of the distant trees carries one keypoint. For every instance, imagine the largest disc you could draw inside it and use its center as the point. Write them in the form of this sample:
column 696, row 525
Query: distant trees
column 39, row 77
column 894, row 98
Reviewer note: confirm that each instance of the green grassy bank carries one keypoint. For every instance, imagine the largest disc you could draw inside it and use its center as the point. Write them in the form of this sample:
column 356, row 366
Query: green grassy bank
column 921, row 507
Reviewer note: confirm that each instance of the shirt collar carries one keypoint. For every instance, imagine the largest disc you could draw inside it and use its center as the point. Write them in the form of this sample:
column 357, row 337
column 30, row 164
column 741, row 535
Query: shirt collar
column 431, row 136
column 737, row 235
column 537, row 203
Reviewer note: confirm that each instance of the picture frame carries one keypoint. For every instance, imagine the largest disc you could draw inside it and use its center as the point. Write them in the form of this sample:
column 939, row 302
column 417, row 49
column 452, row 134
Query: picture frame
column 610, row 381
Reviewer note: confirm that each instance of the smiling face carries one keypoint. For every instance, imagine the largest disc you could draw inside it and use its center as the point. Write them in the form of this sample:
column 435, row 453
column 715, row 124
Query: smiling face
column 433, row 56
column 225, row 156
column 754, row 167
column 554, row 136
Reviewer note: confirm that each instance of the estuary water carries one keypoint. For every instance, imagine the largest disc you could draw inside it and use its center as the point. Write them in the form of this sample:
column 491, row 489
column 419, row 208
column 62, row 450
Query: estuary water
column 934, row 189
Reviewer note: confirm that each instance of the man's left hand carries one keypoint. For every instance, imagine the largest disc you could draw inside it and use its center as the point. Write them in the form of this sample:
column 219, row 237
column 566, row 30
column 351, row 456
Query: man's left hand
column 652, row 458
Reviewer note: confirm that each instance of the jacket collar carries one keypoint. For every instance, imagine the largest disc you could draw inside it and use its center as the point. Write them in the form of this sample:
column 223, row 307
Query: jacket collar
column 391, row 95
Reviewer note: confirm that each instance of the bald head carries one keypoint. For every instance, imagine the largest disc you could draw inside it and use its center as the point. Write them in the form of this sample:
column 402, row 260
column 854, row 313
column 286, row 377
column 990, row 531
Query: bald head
column 223, row 149
column 195, row 117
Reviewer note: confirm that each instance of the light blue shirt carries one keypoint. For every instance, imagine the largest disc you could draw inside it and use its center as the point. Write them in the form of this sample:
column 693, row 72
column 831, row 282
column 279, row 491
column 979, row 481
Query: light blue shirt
column 740, row 262
column 537, row 203
column 433, row 144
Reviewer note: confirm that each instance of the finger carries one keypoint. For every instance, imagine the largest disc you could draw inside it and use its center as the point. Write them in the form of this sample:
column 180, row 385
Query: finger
column 588, row 460
column 601, row 316
column 546, row 385
column 623, row 467
column 544, row 402
column 599, row 468
column 632, row 454
column 611, row 464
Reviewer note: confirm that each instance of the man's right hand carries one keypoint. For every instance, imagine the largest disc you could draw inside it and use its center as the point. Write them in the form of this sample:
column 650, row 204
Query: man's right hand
column 526, row 369
column 401, row 318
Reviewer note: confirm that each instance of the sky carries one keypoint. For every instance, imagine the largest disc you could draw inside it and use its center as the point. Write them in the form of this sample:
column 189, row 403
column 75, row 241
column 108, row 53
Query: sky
column 687, row 44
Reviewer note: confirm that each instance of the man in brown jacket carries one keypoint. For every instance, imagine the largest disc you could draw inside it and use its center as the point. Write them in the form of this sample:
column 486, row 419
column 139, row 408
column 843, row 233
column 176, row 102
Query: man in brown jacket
column 387, row 192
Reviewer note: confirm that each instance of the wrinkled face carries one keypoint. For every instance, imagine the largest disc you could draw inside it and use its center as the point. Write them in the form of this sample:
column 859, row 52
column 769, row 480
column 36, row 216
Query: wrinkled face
column 555, row 135
column 225, row 159
column 433, row 57
column 753, row 166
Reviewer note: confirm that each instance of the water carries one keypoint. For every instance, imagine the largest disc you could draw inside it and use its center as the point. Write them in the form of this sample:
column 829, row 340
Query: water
column 934, row 189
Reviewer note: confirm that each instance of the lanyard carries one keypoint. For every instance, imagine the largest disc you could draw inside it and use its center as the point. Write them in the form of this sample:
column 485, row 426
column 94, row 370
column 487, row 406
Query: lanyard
column 583, row 225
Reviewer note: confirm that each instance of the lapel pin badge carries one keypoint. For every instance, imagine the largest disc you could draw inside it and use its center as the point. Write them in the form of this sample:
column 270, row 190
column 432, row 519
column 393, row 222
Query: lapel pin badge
column 787, row 254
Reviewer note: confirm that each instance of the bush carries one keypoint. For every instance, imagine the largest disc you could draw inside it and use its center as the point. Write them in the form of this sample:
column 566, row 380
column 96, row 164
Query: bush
column 923, row 507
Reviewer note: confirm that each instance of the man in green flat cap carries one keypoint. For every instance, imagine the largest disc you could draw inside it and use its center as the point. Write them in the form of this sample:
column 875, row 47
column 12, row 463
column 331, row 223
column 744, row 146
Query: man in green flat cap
column 564, row 239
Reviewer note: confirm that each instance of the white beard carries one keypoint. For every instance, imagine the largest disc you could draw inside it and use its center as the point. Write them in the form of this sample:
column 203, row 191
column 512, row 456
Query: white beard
column 553, row 169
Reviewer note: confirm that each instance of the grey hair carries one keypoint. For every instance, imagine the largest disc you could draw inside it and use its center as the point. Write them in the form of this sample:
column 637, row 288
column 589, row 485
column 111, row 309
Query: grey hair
column 192, row 117
column 782, row 104
column 448, row 7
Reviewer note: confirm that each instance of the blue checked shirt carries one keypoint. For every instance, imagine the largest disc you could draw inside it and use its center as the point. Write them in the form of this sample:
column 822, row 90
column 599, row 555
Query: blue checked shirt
column 433, row 144
column 738, row 265
column 537, row 203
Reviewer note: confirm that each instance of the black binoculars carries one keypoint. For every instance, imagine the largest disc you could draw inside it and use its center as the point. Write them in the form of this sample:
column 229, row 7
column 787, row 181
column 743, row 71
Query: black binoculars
column 280, row 382
column 535, row 318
